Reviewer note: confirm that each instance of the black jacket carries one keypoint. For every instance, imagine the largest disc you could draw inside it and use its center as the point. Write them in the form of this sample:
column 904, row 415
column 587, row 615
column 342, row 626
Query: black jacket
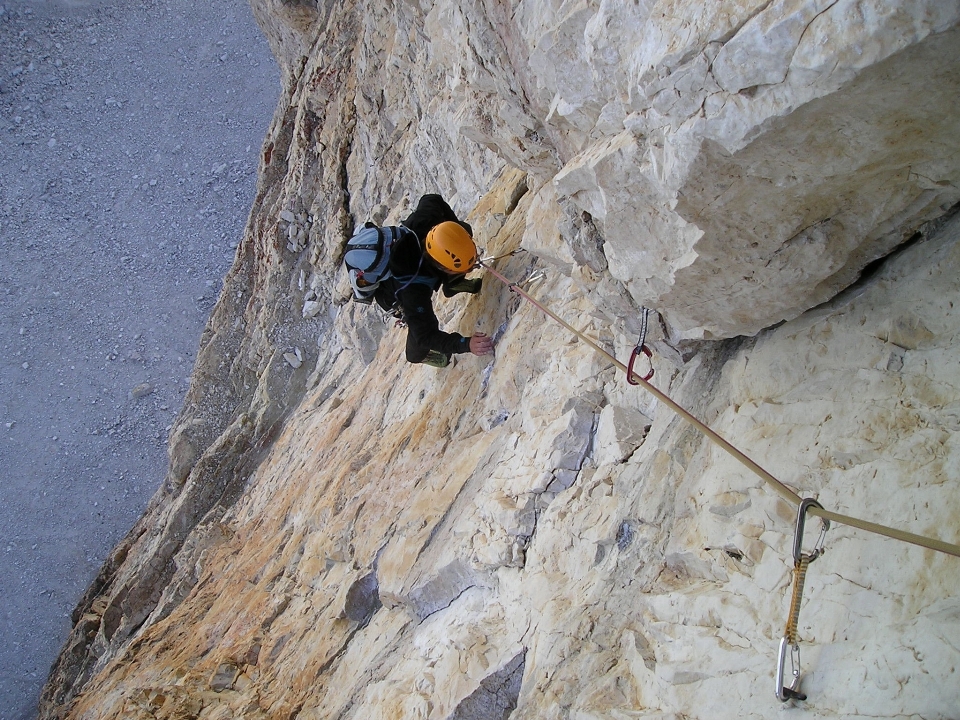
column 416, row 296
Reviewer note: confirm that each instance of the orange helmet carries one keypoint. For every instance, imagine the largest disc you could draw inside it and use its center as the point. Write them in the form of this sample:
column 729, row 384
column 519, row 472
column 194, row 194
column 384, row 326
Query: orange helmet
column 451, row 246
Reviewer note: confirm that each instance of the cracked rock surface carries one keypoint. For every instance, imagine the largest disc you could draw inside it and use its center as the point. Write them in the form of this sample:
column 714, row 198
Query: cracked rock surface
column 129, row 140
column 344, row 535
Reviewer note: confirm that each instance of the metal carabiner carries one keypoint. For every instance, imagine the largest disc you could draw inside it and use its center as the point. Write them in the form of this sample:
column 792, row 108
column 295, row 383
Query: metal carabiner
column 492, row 258
column 640, row 348
column 818, row 550
column 633, row 358
column 533, row 277
column 785, row 693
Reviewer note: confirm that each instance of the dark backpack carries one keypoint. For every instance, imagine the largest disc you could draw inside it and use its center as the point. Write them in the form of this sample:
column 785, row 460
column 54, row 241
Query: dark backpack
column 367, row 260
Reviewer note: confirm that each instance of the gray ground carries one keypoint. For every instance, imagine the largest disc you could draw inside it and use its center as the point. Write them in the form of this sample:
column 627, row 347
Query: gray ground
column 129, row 139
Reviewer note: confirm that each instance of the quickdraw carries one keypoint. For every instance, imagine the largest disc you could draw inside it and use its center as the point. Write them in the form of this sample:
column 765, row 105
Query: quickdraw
column 482, row 262
column 789, row 641
column 640, row 348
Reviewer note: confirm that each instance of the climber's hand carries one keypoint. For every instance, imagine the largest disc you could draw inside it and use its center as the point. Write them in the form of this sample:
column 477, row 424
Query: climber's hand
column 480, row 344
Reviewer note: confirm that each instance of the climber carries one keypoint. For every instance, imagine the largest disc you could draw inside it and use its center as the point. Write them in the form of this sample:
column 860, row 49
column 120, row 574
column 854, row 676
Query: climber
column 438, row 252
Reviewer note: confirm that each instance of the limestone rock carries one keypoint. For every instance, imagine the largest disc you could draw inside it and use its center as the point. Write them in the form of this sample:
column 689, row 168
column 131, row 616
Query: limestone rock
column 224, row 678
column 528, row 535
column 619, row 433
column 294, row 359
column 312, row 308
column 905, row 332
column 363, row 599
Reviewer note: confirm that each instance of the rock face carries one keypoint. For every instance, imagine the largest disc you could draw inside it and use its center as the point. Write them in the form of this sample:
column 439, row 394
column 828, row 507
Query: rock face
column 343, row 535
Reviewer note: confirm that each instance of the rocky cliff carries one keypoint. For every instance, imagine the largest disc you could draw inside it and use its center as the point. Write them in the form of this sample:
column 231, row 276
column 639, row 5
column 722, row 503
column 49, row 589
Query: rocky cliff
column 343, row 535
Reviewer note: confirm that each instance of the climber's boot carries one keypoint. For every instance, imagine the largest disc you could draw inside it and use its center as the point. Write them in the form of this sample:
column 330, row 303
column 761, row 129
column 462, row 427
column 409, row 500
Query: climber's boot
column 436, row 359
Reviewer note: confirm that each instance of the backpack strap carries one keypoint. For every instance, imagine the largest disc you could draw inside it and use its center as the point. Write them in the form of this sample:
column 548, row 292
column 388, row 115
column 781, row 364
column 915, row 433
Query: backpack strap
column 412, row 277
column 408, row 280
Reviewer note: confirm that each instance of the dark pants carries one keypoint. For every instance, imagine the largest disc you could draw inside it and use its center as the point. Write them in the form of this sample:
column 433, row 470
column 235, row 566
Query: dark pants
column 454, row 286
column 415, row 352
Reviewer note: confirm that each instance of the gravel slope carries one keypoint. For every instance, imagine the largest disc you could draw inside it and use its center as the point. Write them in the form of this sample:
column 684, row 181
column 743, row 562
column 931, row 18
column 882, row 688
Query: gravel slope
column 129, row 140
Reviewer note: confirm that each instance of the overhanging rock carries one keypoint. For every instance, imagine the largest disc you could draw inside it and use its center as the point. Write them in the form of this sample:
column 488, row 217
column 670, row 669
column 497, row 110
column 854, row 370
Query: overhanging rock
column 770, row 199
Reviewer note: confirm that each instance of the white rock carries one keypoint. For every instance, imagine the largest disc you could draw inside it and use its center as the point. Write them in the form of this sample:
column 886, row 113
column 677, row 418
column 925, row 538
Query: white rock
column 312, row 308
column 620, row 432
column 294, row 359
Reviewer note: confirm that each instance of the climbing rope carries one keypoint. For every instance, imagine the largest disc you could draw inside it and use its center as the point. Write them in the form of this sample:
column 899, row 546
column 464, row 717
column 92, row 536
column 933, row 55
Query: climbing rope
column 785, row 492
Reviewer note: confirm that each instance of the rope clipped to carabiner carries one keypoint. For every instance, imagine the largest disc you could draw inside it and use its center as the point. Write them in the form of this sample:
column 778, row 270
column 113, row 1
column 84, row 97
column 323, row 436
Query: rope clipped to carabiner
column 790, row 640
column 641, row 348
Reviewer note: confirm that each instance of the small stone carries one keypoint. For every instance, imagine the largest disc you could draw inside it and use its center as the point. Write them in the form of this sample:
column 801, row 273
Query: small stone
column 730, row 503
column 294, row 359
column 363, row 599
column 242, row 683
column 620, row 431
column 288, row 216
column 224, row 677
column 26, row 366
column 905, row 331
column 312, row 308
column 141, row 391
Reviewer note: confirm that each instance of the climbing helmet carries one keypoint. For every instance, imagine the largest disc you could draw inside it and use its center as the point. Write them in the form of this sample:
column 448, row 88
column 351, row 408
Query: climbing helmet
column 450, row 246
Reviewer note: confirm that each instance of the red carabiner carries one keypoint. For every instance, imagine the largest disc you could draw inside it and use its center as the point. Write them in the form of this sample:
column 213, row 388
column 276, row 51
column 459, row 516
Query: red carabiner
column 633, row 358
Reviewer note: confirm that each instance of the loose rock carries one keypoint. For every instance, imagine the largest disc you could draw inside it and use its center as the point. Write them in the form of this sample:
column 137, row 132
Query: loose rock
column 141, row 390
